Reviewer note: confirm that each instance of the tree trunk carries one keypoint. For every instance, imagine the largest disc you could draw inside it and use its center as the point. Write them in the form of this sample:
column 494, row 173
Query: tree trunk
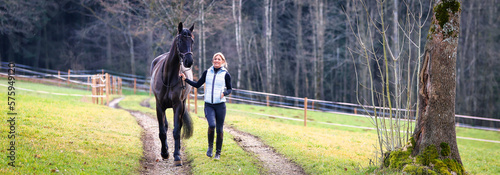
column 436, row 124
column 109, row 48
column 131, row 50
column 201, row 47
column 320, row 39
column 396, row 67
column 237, row 26
column 298, row 45
column 268, row 43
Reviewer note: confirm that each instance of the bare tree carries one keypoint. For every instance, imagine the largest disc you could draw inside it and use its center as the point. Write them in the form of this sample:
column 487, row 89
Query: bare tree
column 237, row 28
column 380, row 89
column 299, row 45
column 319, row 40
column 268, row 21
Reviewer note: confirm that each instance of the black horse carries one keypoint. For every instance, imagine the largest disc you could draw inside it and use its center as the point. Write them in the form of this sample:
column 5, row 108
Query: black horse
column 171, row 92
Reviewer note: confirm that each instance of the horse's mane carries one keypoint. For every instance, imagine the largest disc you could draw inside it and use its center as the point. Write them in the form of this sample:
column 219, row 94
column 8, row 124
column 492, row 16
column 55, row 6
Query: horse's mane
column 173, row 49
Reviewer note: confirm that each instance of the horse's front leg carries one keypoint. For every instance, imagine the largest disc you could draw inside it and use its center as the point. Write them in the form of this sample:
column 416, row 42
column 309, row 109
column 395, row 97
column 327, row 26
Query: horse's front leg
column 163, row 127
column 178, row 109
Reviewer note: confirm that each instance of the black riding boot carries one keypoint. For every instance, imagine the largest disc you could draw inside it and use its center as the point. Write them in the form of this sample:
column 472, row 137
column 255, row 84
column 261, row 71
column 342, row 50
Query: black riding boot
column 220, row 138
column 210, row 142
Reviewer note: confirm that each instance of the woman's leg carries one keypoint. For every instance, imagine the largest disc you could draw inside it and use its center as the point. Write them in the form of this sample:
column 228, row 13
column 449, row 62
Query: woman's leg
column 220, row 116
column 210, row 115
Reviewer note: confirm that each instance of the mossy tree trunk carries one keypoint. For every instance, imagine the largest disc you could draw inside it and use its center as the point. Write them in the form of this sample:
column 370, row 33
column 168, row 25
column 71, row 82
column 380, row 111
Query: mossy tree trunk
column 436, row 122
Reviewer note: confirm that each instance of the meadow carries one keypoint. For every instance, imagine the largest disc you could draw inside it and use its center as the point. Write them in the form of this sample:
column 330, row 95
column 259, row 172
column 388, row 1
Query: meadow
column 67, row 134
column 70, row 135
column 322, row 148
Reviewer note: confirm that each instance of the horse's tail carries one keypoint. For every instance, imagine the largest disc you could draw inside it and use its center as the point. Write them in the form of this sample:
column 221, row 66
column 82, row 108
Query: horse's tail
column 187, row 124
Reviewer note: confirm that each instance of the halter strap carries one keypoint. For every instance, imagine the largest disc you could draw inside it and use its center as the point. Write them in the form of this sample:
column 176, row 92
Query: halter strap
column 182, row 55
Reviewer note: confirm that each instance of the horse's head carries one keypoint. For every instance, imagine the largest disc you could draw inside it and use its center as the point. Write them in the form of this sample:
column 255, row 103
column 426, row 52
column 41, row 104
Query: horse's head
column 185, row 40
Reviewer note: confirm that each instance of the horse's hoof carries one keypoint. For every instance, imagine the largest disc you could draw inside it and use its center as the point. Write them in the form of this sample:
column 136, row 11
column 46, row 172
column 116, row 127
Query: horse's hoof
column 178, row 163
column 165, row 156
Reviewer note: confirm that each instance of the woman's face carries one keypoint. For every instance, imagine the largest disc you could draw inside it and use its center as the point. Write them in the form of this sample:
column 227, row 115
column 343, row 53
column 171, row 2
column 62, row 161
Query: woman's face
column 217, row 61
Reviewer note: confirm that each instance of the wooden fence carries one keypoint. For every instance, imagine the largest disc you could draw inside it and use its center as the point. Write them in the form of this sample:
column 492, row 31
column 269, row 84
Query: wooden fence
column 195, row 97
column 104, row 85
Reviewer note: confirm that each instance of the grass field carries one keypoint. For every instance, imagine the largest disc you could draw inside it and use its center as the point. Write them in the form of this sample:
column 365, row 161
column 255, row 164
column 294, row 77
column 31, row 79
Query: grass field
column 324, row 149
column 64, row 134
column 76, row 137
column 314, row 119
column 356, row 145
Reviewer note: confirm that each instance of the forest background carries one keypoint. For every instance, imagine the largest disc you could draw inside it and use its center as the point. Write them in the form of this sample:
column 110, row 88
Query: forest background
column 289, row 47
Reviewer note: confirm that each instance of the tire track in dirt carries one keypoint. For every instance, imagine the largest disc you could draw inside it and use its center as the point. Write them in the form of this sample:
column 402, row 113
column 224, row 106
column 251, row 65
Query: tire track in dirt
column 152, row 162
column 273, row 162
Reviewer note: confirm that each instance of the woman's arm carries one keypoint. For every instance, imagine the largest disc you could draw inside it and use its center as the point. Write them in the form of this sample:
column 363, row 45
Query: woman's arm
column 195, row 84
column 228, row 84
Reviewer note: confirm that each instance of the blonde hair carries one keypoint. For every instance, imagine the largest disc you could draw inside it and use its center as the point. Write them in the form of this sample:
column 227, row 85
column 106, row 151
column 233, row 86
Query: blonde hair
column 222, row 57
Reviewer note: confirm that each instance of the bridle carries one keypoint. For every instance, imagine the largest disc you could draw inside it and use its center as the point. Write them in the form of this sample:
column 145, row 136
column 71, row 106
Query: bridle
column 183, row 55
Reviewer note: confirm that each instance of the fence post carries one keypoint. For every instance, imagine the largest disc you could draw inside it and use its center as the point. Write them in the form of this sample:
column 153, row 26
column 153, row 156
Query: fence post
column 135, row 82
column 69, row 72
column 195, row 101
column 88, row 83
column 267, row 100
column 305, row 111
column 102, row 89
column 107, row 88
column 97, row 89
column 312, row 105
column 355, row 111
column 115, row 86
column 59, row 76
column 121, row 87
column 93, row 89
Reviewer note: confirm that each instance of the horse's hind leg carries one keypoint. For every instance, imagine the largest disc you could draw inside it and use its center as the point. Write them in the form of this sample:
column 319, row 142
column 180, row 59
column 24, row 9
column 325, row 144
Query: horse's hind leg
column 163, row 126
column 177, row 134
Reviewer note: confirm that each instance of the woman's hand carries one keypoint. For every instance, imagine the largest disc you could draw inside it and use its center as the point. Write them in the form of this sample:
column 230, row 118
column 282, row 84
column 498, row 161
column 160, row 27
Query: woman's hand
column 182, row 76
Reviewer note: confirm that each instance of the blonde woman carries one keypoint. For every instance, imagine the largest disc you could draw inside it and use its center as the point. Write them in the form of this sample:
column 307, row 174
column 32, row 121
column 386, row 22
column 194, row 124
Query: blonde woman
column 216, row 78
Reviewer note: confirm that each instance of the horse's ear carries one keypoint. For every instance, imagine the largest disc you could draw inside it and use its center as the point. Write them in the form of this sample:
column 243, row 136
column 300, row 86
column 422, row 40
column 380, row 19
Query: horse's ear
column 191, row 28
column 179, row 28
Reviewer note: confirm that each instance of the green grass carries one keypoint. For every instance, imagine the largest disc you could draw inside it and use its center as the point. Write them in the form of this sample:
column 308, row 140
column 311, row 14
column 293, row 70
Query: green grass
column 308, row 145
column 65, row 134
column 132, row 102
column 314, row 117
column 318, row 148
column 234, row 160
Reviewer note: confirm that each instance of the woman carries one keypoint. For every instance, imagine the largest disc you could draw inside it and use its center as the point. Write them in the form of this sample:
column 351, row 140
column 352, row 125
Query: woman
column 216, row 78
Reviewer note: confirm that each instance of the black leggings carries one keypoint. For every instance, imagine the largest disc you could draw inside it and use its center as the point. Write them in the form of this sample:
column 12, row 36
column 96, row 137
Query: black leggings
column 215, row 114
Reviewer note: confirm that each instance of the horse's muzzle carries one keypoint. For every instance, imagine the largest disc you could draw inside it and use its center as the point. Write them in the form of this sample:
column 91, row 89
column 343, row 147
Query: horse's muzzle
column 188, row 60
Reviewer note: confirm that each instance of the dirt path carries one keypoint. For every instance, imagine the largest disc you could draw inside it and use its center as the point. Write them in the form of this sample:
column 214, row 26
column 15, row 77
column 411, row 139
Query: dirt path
column 152, row 162
column 272, row 162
